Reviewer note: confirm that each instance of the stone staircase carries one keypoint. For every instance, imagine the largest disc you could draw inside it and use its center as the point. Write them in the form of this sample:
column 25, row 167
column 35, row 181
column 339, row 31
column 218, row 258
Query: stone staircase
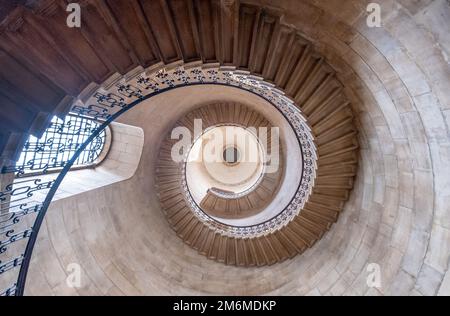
column 169, row 173
column 243, row 206
column 120, row 36
column 214, row 203
column 337, row 147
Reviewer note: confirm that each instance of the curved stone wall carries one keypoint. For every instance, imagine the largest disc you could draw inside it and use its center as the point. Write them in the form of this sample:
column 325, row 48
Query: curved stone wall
column 395, row 75
column 398, row 216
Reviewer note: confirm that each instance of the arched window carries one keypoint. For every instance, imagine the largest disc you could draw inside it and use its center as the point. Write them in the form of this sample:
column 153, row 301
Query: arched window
column 58, row 145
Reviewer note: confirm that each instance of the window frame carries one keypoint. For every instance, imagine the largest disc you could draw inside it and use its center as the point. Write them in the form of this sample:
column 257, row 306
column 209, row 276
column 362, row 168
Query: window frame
column 106, row 145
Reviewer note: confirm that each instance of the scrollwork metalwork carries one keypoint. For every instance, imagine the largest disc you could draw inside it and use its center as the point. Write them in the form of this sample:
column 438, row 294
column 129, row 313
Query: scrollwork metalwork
column 129, row 91
column 11, row 264
column 16, row 201
column 12, row 215
column 60, row 141
column 12, row 237
column 9, row 291
column 23, row 190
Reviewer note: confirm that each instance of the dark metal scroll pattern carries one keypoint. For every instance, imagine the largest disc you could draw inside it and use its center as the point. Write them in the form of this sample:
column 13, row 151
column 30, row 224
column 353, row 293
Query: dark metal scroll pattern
column 20, row 203
column 144, row 85
column 10, row 217
column 58, row 144
column 101, row 109
column 17, row 201
column 10, row 291
column 10, row 264
column 23, row 191
column 24, row 197
column 12, row 237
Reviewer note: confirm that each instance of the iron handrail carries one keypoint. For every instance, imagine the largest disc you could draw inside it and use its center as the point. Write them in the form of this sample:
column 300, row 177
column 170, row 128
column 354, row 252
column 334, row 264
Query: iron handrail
column 105, row 119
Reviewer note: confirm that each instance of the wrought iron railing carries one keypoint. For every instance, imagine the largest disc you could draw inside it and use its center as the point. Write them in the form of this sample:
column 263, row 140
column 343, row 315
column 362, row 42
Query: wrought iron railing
column 25, row 202
column 57, row 145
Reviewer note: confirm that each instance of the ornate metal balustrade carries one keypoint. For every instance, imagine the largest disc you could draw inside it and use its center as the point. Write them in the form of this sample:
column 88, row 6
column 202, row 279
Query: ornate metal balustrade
column 24, row 203
column 58, row 144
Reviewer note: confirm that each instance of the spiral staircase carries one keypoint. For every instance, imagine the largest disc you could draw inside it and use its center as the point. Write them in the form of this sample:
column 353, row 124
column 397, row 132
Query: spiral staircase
column 221, row 203
column 129, row 51
column 331, row 191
